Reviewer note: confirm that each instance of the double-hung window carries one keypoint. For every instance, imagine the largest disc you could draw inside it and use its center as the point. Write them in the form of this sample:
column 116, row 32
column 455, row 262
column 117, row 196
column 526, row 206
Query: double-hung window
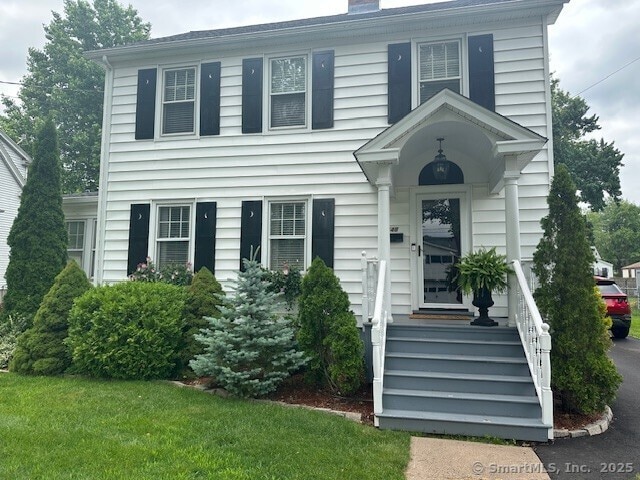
column 178, row 101
column 288, row 91
column 287, row 235
column 173, row 235
column 75, row 247
column 439, row 65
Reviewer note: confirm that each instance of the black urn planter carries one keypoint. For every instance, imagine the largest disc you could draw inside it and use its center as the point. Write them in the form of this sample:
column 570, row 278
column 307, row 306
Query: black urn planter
column 482, row 299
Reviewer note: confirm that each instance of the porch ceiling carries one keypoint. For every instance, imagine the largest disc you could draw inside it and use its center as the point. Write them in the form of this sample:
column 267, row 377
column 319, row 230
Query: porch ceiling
column 478, row 140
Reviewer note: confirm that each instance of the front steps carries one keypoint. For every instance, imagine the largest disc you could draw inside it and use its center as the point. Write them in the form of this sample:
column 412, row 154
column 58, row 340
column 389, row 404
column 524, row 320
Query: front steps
column 460, row 380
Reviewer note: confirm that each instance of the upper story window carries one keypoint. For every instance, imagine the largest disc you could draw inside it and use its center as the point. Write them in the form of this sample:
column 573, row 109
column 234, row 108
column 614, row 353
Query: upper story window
column 439, row 68
column 287, row 235
column 173, row 234
column 288, row 91
column 178, row 101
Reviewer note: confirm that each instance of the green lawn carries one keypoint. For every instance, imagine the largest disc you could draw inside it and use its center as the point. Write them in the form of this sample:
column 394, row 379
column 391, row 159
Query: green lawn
column 72, row 428
column 635, row 324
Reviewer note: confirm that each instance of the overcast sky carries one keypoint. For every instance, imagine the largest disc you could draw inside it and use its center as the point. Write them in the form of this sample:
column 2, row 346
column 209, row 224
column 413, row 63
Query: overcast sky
column 591, row 41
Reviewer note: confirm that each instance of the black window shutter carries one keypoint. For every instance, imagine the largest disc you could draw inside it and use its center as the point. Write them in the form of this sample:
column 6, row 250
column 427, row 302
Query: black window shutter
column 146, row 103
column 250, row 230
column 482, row 88
column 210, row 99
column 205, row 255
column 399, row 81
column 322, row 90
column 252, row 95
column 322, row 228
column 138, row 235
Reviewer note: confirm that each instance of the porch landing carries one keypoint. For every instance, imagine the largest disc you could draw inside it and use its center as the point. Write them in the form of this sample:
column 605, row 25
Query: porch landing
column 448, row 377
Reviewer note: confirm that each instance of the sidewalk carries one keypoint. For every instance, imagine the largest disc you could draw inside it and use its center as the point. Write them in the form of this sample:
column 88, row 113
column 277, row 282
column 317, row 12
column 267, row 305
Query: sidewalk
column 438, row 459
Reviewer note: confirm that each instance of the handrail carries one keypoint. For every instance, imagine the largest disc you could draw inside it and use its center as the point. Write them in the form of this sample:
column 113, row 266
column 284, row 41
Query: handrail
column 536, row 341
column 379, row 338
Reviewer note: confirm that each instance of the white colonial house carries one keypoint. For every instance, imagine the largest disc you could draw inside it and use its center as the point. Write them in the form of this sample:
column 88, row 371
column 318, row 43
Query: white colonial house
column 414, row 134
column 14, row 163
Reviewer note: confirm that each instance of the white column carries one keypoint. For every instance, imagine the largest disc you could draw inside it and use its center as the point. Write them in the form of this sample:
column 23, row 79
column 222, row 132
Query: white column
column 384, row 223
column 512, row 213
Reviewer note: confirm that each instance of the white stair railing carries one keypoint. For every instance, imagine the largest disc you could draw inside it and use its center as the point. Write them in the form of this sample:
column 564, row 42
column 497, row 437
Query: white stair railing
column 536, row 341
column 379, row 338
column 369, row 267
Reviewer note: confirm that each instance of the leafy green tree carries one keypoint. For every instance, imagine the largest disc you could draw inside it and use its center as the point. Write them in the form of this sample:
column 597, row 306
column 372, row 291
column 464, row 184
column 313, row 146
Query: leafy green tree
column 204, row 297
column 616, row 232
column 250, row 349
column 328, row 333
column 583, row 378
column 62, row 83
column 38, row 236
column 41, row 349
column 594, row 164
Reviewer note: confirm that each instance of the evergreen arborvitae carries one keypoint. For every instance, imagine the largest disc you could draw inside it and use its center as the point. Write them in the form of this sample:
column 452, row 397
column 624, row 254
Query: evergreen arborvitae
column 583, row 378
column 38, row 237
column 204, row 297
column 41, row 349
column 250, row 349
column 328, row 332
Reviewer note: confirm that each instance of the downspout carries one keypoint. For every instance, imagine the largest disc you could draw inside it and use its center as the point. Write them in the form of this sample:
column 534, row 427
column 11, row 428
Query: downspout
column 104, row 171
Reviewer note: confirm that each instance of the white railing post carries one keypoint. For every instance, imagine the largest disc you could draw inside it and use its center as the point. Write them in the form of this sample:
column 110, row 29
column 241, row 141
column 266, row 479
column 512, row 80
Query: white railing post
column 365, row 287
column 378, row 338
column 536, row 343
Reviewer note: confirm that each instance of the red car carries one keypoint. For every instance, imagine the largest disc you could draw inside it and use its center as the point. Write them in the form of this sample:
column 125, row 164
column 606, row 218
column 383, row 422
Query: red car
column 618, row 307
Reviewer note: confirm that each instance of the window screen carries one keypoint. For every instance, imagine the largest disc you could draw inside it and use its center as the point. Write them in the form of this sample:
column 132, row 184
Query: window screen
column 287, row 232
column 75, row 247
column 439, row 68
column 288, row 91
column 179, row 101
column 173, row 235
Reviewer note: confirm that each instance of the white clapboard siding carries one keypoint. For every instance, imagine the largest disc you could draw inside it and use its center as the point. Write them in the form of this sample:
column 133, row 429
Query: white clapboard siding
column 292, row 163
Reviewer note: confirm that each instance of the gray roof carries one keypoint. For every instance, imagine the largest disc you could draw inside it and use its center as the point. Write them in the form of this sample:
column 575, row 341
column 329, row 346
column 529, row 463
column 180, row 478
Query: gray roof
column 332, row 19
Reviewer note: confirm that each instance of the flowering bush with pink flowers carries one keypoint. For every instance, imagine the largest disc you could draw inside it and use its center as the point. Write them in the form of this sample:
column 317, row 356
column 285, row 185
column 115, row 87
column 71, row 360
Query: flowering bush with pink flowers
column 174, row 273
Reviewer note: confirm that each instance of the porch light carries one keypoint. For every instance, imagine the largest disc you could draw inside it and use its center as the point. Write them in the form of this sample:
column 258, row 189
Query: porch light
column 440, row 164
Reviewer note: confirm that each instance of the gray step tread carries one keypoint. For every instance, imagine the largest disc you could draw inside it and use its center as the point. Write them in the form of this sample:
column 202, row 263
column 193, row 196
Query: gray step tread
column 462, row 358
column 461, row 376
column 467, row 328
column 463, row 418
column 462, row 340
column 462, row 395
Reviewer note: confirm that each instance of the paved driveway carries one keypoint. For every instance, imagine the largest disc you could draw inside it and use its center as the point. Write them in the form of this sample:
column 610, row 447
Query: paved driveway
column 614, row 454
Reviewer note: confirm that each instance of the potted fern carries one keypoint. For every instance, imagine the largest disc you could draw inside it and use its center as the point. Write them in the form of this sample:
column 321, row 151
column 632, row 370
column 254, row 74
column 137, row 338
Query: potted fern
column 481, row 273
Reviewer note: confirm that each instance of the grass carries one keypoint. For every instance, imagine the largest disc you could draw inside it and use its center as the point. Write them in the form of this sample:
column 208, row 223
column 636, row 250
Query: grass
column 635, row 324
column 73, row 428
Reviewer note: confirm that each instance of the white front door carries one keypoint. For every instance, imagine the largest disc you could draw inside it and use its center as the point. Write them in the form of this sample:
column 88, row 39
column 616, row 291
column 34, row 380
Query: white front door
column 442, row 236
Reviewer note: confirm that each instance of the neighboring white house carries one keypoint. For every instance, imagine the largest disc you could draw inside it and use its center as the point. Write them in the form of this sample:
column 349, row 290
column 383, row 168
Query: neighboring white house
column 319, row 137
column 80, row 214
column 601, row 267
column 14, row 163
column 630, row 271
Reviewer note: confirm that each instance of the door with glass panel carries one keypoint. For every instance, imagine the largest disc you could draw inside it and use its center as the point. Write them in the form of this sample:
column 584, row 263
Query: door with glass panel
column 439, row 249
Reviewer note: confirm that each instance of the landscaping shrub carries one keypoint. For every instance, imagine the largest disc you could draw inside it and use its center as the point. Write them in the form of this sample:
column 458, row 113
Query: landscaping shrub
column 41, row 349
column 173, row 273
column 38, row 236
column 204, row 297
column 10, row 329
column 288, row 283
column 131, row 330
column 249, row 350
column 583, row 378
column 328, row 333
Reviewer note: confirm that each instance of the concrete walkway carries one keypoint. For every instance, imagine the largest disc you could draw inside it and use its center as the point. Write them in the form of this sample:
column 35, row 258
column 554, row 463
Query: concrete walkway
column 438, row 459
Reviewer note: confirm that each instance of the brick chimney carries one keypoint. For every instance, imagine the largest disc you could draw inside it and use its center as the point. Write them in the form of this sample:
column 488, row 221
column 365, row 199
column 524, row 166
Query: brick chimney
column 363, row 6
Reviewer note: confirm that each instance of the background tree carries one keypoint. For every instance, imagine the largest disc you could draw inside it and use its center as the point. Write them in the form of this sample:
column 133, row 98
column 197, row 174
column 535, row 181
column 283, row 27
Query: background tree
column 41, row 349
column 60, row 82
column 594, row 164
column 616, row 232
column 38, row 236
column 583, row 378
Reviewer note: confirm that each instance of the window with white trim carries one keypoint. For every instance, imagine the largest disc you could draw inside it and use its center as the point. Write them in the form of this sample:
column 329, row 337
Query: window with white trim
column 75, row 247
column 287, row 235
column 288, row 91
column 178, row 101
column 439, row 67
column 173, row 236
